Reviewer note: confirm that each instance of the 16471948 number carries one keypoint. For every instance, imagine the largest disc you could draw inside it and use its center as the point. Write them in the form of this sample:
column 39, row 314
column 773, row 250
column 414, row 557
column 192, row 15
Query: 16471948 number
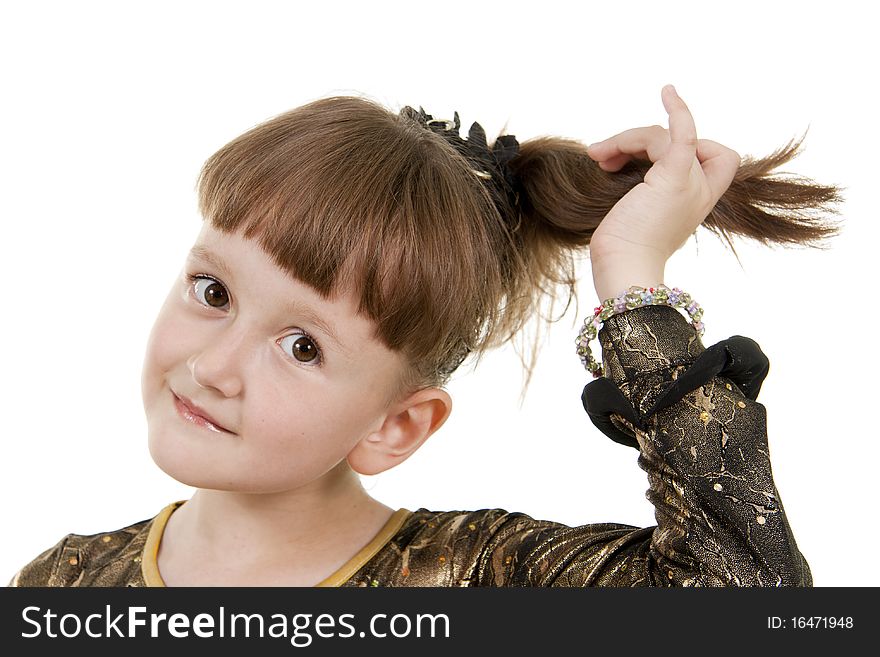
column 809, row 622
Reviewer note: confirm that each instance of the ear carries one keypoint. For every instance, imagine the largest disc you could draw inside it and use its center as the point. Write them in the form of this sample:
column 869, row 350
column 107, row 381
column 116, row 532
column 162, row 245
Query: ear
column 408, row 425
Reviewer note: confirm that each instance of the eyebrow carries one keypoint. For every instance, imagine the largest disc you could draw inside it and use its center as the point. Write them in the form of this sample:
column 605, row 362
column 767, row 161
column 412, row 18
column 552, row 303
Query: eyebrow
column 307, row 312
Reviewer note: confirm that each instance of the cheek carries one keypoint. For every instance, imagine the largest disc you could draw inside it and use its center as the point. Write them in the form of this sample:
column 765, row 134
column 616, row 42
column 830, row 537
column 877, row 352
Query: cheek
column 166, row 348
column 305, row 423
column 287, row 442
column 296, row 418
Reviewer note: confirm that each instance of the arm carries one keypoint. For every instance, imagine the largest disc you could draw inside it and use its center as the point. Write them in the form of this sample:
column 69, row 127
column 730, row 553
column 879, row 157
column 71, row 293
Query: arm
column 720, row 520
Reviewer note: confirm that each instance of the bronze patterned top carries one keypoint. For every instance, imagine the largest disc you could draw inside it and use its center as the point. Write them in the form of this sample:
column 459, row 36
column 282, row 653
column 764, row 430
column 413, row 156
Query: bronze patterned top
column 702, row 439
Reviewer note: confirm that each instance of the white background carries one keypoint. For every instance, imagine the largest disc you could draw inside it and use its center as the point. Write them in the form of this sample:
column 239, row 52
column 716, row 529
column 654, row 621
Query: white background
column 109, row 109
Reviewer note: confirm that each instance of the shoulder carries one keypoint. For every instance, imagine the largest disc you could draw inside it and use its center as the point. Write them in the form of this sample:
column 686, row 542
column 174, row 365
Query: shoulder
column 465, row 527
column 494, row 547
column 444, row 548
column 78, row 557
column 480, row 523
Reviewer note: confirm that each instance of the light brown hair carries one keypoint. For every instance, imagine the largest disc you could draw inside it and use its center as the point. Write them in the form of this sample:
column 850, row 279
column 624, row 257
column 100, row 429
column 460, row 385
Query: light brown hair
column 345, row 194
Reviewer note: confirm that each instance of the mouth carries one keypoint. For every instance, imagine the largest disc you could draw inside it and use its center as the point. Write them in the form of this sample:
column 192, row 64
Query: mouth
column 193, row 414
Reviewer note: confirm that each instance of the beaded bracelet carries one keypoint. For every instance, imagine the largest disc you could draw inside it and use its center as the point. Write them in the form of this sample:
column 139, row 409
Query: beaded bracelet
column 634, row 297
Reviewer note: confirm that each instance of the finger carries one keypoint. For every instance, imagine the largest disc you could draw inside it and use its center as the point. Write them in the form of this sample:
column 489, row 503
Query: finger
column 707, row 151
column 615, row 163
column 651, row 142
column 719, row 163
column 644, row 143
column 679, row 157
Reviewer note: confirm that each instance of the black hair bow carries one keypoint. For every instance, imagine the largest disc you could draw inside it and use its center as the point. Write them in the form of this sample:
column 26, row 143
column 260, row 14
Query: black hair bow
column 491, row 164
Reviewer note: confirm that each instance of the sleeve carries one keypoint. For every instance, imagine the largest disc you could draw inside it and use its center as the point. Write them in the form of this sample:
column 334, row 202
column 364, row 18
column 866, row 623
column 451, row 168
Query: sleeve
column 702, row 440
column 43, row 570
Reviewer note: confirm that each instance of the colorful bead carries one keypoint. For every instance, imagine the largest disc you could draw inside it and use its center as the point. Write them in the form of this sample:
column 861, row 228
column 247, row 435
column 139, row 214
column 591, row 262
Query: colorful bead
column 630, row 299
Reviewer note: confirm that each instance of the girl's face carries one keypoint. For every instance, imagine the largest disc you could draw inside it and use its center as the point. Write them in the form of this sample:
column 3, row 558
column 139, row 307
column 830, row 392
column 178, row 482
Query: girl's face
column 293, row 382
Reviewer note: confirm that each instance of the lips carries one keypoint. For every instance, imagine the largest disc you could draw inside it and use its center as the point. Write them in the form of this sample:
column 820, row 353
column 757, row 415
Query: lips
column 194, row 413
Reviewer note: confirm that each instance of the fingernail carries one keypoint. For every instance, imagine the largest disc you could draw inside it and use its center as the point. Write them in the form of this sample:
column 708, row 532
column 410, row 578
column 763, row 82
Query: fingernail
column 672, row 88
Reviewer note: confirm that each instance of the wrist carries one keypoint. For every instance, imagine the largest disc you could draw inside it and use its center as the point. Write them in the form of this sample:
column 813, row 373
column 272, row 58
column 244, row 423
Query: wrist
column 609, row 284
column 647, row 339
column 613, row 274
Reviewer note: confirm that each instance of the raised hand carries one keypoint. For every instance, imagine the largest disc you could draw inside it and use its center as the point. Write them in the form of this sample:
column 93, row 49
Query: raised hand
column 656, row 217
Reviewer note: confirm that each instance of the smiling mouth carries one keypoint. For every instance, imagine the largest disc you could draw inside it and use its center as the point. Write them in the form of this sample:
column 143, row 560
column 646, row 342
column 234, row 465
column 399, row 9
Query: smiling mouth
column 190, row 415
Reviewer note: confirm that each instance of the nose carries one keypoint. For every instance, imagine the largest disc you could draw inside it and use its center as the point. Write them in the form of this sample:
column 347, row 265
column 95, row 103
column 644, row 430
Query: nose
column 219, row 365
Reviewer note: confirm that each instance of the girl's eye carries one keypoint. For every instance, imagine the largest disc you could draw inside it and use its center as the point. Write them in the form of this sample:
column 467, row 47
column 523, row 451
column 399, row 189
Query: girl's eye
column 209, row 292
column 302, row 347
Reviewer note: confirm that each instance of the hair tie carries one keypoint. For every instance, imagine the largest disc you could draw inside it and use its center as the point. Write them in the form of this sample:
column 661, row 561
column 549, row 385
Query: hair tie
column 634, row 297
column 491, row 165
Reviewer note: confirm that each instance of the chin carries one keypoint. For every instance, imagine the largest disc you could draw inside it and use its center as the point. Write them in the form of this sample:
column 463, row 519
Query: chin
column 174, row 462
column 179, row 460
column 193, row 469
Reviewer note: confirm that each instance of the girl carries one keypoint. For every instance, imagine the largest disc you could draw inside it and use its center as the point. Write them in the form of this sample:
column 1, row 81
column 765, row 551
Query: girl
column 350, row 260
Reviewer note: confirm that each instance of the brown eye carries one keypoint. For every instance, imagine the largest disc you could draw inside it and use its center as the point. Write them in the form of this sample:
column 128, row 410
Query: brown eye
column 301, row 347
column 210, row 292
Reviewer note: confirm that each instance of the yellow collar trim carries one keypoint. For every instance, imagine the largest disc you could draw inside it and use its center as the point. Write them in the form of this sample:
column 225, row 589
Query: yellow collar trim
column 150, row 555
column 350, row 567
